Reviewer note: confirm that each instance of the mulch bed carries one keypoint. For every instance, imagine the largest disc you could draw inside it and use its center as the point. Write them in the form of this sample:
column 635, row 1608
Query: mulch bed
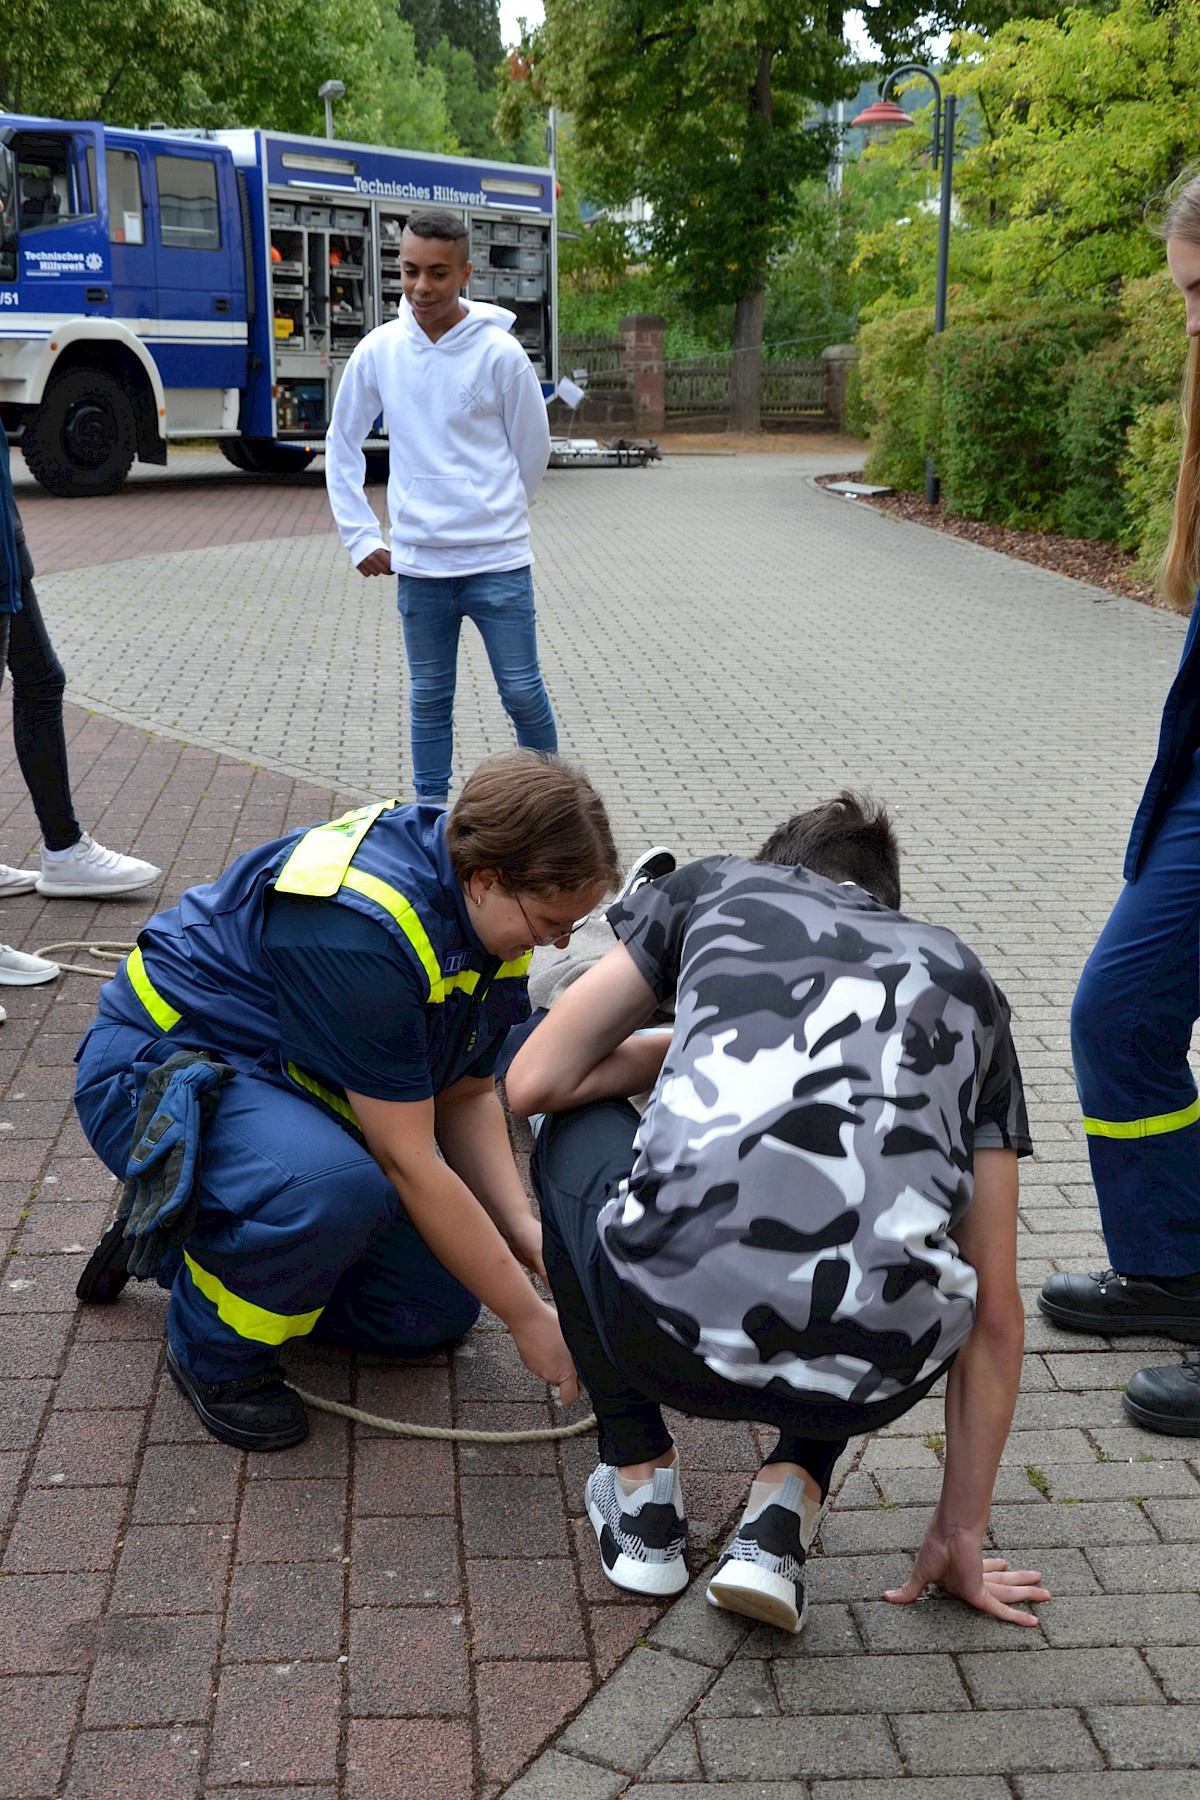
column 1083, row 559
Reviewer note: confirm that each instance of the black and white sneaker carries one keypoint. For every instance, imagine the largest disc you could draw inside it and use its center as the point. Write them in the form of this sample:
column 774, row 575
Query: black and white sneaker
column 761, row 1573
column 642, row 1535
column 648, row 867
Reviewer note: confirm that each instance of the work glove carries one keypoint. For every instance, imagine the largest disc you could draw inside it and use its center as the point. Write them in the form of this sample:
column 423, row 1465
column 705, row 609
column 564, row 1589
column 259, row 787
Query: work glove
column 160, row 1198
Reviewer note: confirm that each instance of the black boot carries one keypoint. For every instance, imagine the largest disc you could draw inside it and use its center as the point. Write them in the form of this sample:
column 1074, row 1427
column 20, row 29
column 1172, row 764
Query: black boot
column 1167, row 1400
column 1118, row 1305
column 254, row 1412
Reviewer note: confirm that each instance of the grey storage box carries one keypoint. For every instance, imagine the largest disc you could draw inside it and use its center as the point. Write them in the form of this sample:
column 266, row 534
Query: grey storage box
column 315, row 216
column 281, row 212
column 344, row 220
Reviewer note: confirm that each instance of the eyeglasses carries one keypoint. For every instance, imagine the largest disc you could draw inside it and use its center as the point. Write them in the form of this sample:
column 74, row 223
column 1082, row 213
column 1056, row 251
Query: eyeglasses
column 540, row 942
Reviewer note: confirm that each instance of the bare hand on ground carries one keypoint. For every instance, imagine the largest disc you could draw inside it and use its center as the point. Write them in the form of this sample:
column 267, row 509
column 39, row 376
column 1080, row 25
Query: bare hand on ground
column 987, row 1583
column 378, row 563
column 543, row 1350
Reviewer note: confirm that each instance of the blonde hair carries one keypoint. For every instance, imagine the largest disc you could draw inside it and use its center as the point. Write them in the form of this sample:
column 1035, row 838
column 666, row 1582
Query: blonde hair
column 1179, row 570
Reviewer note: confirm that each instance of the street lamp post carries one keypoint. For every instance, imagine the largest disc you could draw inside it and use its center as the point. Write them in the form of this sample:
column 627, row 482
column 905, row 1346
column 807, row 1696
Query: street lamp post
column 885, row 119
column 329, row 91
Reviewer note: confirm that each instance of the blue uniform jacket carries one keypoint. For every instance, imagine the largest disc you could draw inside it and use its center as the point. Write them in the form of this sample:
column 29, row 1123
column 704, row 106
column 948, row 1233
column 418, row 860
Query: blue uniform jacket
column 1178, row 741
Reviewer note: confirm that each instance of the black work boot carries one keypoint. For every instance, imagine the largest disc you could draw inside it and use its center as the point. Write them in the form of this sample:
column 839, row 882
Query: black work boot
column 254, row 1412
column 1166, row 1400
column 106, row 1270
column 1118, row 1305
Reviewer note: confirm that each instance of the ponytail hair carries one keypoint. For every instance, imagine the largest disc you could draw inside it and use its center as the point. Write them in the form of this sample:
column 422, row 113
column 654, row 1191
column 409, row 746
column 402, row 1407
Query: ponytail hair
column 1179, row 569
column 535, row 819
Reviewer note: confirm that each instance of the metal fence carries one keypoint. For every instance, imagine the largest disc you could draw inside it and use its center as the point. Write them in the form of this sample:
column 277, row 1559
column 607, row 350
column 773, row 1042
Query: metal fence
column 600, row 356
column 701, row 385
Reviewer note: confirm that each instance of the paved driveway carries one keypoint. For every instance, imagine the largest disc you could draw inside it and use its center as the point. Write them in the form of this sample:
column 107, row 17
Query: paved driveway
column 724, row 642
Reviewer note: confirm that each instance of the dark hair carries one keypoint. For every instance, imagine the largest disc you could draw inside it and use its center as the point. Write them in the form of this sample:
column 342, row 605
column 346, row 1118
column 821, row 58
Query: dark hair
column 846, row 839
column 537, row 820
column 434, row 222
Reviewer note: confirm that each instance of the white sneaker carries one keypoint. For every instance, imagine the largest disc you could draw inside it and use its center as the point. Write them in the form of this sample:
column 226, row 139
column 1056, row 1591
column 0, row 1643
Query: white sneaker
column 3, row 1015
column 16, row 881
column 650, row 866
column 18, row 969
column 87, row 871
column 761, row 1573
column 642, row 1535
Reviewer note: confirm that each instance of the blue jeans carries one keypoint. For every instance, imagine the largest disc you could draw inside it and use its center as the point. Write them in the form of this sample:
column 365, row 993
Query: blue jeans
column 432, row 612
column 1131, row 1025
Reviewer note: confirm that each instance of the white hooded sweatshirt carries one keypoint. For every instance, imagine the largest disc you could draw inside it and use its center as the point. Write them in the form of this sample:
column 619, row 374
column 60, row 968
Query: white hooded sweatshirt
column 470, row 440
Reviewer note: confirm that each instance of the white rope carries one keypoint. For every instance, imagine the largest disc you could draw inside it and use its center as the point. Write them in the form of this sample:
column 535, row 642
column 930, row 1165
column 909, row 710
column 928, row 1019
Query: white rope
column 459, row 1435
column 104, row 950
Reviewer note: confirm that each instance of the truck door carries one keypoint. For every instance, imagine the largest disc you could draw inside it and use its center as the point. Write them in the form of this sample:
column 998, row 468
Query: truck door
column 134, row 277
column 63, row 253
column 201, row 284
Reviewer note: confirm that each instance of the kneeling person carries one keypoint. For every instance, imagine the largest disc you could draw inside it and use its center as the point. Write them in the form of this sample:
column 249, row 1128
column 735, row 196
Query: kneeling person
column 348, row 987
column 815, row 1217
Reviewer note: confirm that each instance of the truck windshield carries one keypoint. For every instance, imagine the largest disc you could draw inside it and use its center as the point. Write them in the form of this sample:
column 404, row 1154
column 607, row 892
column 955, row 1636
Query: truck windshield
column 51, row 186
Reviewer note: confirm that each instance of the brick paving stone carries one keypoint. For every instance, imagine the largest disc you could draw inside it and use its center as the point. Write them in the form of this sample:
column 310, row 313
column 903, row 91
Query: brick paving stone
column 31, row 1346
column 66, row 1529
column 393, row 1476
column 505, row 1459
column 408, row 1759
column 120, row 1765
column 407, row 1662
column 49, row 1623
column 88, row 1448
column 284, row 1612
column 37, row 1716
column 525, row 1609
column 401, row 1562
column 520, row 1706
column 171, row 1569
column 276, row 1722
column 995, row 1743
column 1147, row 1737
column 116, row 1375
column 153, row 1671
column 178, row 1484
column 774, row 1750
column 292, row 1521
column 503, row 1517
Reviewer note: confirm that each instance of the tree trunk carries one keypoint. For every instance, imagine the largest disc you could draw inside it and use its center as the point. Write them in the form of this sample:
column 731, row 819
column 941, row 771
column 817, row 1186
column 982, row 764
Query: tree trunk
column 745, row 375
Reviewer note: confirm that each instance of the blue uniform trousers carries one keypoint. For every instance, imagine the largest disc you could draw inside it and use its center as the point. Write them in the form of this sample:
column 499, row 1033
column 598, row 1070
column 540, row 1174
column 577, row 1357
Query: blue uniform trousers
column 1131, row 1026
column 298, row 1229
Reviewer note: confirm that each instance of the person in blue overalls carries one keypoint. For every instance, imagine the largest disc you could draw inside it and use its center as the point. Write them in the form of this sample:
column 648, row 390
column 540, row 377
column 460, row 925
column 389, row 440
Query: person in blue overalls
column 356, row 1179
column 1139, row 997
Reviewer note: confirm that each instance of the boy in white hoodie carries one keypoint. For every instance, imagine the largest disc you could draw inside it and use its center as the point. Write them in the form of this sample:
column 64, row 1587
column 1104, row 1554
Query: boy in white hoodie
column 470, row 441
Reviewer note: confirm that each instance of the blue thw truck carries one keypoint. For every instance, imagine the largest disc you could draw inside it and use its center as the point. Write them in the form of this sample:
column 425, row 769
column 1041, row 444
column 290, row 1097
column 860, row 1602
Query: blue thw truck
column 158, row 284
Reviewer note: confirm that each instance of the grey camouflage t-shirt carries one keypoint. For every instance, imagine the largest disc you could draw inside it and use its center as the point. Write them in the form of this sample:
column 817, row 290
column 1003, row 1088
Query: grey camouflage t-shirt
column 810, row 1141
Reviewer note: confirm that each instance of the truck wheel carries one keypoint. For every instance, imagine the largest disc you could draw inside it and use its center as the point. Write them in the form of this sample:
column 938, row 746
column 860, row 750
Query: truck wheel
column 260, row 456
column 82, row 438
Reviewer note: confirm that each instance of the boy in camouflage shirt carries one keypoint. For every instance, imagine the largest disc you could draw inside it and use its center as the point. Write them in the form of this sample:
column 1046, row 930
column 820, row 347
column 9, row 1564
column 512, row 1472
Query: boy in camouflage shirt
column 815, row 1217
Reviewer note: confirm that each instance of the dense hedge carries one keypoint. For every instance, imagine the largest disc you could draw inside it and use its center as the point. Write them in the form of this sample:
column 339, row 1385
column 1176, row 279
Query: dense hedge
column 1061, row 418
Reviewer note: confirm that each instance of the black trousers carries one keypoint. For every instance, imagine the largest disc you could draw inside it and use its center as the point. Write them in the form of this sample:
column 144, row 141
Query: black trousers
column 38, row 683
column 631, row 1367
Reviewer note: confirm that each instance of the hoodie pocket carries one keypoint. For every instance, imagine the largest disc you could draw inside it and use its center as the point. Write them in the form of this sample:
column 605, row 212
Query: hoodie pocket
column 440, row 510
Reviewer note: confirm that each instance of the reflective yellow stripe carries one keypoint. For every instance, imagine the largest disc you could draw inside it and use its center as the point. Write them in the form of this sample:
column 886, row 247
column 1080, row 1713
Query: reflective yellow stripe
column 467, row 980
column 333, row 1100
column 1140, row 1128
column 318, row 864
column 520, row 967
column 160, row 1010
column 248, row 1320
column 393, row 902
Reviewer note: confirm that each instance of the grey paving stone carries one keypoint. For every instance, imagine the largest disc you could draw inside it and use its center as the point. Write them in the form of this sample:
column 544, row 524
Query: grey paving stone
column 632, row 1715
column 829, row 1631
column 1153, row 1568
column 873, row 1684
column 703, row 1633
column 1177, row 1520
column 1148, row 1737
column 995, row 1743
column 1132, row 1619
column 938, row 1623
column 1058, row 1678
column 732, row 1790
column 1109, row 1522
column 949, row 1787
column 1178, row 1670
column 1110, row 1785
column 678, row 1760
column 776, row 1750
column 745, row 1691
column 557, row 1777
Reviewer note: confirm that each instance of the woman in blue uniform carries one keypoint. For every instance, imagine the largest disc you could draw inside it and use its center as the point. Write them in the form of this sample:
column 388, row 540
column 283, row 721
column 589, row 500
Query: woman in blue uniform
column 1139, row 995
column 356, row 1179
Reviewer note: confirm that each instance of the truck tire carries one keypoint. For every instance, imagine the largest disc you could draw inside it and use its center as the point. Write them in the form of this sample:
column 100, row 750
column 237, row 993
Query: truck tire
column 83, row 437
column 261, row 456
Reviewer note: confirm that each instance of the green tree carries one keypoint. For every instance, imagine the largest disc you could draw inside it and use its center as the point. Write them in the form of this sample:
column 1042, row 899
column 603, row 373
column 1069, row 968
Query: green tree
column 702, row 108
